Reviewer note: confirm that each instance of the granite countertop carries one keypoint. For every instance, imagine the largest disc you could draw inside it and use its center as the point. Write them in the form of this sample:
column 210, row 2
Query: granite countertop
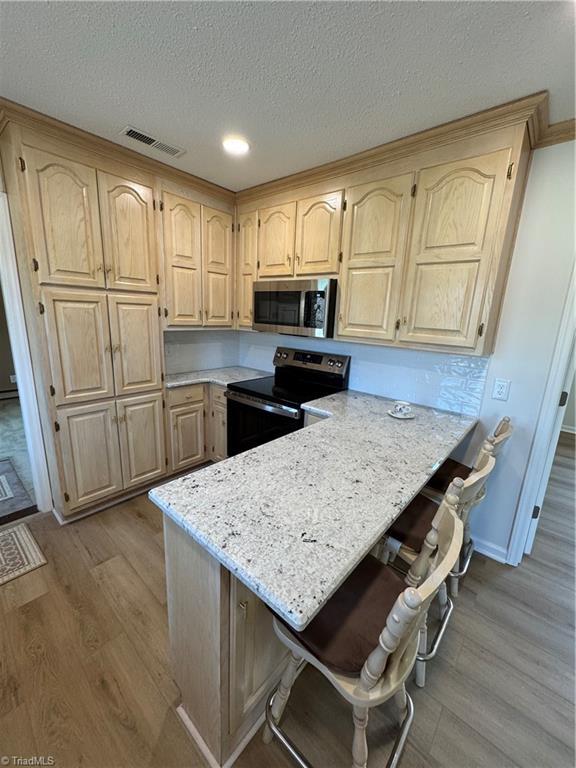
column 222, row 376
column 292, row 518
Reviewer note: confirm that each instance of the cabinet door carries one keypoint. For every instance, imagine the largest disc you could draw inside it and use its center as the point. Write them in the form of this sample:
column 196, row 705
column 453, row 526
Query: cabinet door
column 454, row 236
column 186, row 430
column 257, row 657
column 135, row 334
column 141, row 439
column 219, row 427
column 128, row 233
column 65, row 220
column 276, row 240
column 217, row 266
column 90, row 452
column 182, row 248
column 78, row 339
column 318, row 225
column 374, row 246
column 247, row 255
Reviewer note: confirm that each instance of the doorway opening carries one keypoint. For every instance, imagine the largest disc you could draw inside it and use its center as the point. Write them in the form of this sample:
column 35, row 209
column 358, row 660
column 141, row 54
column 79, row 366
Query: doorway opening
column 17, row 498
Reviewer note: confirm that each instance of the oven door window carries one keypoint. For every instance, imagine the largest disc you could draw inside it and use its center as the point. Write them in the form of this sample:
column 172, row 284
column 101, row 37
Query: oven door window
column 278, row 308
column 249, row 427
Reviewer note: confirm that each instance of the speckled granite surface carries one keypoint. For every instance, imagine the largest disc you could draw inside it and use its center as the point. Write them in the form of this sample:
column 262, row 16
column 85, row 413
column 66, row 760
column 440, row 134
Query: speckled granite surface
column 292, row 518
column 222, row 376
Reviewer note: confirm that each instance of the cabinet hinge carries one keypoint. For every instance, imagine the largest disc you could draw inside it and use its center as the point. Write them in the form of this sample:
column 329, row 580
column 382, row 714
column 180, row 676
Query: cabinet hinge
column 161, row 377
column 56, row 427
column 35, row 265
column 166, row 460
column 159, row 312
column 258, row 222
column 413, row 190
column 165, row 312
column 258, row 264
column 397, row 325
column 161, row 205
column 563, row 399
column 204, row 449
column 481, row 329
column 238, row 313
column 41, row 308
column 66, row 496
column 345, row 205
column 340, row 257
column 163, row 403
column 52, row 391
column 509, row 171
column 157, row 279
column 238, row 227
column 232, row 315
column 22, row 163
column 535, row 513
column 154, row 204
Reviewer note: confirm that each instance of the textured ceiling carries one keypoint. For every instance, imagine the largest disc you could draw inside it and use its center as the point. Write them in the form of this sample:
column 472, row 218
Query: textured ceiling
column 306, row 83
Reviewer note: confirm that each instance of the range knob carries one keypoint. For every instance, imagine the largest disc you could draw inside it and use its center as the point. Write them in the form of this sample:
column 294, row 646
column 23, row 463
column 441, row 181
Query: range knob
column 331, row 362
column 284, row 355
column 339, row 364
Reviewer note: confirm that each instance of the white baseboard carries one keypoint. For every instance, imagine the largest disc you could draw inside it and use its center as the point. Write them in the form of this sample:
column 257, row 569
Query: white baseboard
column 569, row 430
column 490, row 550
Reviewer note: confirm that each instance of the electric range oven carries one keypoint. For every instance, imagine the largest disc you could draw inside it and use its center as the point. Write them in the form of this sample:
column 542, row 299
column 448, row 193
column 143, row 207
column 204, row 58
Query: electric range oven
column 261, row 410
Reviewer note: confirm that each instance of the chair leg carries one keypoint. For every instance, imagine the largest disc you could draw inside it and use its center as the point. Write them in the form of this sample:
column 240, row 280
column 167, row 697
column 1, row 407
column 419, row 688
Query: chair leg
column 359, row 743
column 443, row 598
column 453, row 585
column 401, row 703
column 420, row 666
column 281, row 695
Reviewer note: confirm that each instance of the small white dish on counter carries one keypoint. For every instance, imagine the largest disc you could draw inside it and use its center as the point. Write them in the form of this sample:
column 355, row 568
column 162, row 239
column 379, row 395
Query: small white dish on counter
column 403, row 416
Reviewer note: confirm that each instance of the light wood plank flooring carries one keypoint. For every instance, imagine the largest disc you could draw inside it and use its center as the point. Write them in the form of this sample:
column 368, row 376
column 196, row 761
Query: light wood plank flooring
column 85, row 674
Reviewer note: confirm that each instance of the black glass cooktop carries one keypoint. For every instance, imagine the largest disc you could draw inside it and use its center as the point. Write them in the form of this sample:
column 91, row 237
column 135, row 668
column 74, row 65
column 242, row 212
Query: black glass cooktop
column 295, row 394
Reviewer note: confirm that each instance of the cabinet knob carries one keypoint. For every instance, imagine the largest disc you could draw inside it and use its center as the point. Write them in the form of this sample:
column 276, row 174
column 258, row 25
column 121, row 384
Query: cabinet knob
column 289, row 258
column 243, row 605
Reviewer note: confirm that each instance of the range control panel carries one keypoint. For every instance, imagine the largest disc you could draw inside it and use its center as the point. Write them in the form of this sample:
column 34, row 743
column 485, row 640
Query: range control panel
column 315, row 361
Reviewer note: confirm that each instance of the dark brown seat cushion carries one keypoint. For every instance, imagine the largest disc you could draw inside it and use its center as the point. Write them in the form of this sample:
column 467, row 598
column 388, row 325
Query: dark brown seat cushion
column 442, row 478
column 414, row 522
column 346, row 630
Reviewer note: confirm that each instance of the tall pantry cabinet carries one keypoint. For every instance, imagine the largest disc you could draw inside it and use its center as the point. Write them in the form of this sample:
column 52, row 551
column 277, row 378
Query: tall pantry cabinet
column 90, row 243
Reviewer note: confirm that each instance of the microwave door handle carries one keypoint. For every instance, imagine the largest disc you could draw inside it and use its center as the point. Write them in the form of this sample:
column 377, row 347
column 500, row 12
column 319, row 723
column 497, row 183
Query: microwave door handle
column 302, row 318
column 263, row 405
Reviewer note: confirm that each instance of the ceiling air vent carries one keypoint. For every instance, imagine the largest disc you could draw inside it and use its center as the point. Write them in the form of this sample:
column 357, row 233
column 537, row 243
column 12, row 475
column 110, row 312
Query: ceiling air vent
column 143, row 138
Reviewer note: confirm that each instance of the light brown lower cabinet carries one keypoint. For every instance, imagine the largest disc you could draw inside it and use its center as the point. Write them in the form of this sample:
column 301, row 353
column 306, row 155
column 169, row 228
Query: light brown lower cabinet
column 218, row 423
column 141, row 431
column 110, row 446
column 185, row 427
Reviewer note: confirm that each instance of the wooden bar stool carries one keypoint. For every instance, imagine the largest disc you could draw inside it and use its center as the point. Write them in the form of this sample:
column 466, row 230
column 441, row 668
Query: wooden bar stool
column 441, row 479
column 365, row 639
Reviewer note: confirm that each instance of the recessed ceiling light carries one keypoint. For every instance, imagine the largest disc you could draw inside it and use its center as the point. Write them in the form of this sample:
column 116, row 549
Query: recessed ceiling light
column 235, row 145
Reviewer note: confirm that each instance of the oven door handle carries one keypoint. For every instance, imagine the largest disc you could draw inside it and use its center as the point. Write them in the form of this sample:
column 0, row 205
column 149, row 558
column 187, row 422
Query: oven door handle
column 263, row 405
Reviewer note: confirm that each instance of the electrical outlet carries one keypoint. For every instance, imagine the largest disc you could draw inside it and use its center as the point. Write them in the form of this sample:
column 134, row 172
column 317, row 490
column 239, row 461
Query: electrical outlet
column 12, row 378
column 501, row 389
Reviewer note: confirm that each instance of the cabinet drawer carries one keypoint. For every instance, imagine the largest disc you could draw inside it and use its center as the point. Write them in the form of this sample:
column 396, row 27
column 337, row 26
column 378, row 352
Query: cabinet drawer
column 218, row 394
column 181, row 395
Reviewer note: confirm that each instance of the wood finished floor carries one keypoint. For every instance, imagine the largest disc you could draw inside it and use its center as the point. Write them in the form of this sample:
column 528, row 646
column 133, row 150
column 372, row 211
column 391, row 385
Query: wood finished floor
column 85, row 675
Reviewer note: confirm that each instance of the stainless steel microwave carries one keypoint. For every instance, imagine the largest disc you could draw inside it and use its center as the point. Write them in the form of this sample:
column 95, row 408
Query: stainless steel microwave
column 295, row 307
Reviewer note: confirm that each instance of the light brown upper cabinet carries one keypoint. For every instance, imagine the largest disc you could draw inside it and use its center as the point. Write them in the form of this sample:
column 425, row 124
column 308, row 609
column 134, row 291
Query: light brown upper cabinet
column 456, row 219
column 276, row 231
column 217, row 267
column 246, row 254
column 374, row 244
column 182, row 224
column 135, row 336
column 90, row 452
column 78, row 339
column 129, row 238
column 318, row 223
column 141, row 438
column 64, row 220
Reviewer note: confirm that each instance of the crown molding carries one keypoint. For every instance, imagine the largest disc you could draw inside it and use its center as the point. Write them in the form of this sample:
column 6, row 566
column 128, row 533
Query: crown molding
column 557, row 133
column 531, row 110
column 11, row 112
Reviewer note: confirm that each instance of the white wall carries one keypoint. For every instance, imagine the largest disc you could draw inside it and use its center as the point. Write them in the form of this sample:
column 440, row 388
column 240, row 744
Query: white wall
column 453, row 382
column 186, row 351
column 569, row 421
column 536, row 293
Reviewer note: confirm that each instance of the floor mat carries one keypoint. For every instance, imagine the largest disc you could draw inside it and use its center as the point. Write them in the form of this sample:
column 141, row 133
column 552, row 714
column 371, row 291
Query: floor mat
column 14, row 498
column 19, row 552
